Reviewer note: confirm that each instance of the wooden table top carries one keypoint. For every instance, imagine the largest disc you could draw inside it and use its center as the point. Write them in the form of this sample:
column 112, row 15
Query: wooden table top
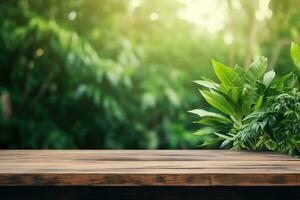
column 147, row 167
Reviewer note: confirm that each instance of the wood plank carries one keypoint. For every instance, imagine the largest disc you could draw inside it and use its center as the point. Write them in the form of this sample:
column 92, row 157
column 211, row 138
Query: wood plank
column 146, row 154
column 147, row 167
column 148, row 192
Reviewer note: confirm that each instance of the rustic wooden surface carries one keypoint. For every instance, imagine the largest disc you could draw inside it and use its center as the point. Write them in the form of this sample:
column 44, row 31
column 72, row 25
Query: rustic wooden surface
column 146, row 168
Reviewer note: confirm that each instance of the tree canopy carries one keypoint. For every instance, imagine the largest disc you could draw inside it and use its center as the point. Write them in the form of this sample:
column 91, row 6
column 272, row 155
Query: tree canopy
column 118, row 73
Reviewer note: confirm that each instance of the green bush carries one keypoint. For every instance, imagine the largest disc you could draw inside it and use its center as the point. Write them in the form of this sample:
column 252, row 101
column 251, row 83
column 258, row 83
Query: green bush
column 104, row 74
column 256, row 111
column 68, row 87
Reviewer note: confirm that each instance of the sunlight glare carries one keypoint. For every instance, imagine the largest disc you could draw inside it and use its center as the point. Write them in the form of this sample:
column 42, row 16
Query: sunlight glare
column 228, row 38
column 210, row 15
column 263, row 12
column 133, row 4
column 154, row 16
column 72, row 15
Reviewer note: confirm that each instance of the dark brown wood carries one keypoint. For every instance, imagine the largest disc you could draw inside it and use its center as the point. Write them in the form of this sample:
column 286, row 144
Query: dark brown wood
column 150, row 193
column 147, row 168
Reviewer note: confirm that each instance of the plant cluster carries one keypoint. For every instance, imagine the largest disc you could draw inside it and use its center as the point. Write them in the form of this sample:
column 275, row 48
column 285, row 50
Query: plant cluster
column 86, row 76
column 255, row 111
column 275, row 127
column 105, row 74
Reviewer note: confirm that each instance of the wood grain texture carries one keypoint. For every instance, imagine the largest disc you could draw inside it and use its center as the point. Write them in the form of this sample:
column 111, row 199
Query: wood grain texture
column 147, row 168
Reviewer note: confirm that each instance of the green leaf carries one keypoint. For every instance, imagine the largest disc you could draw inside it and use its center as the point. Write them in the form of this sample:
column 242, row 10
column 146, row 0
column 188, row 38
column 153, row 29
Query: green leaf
column 279, row 84
column 204, row 113
column 288, row 81
column 230, row 96
column 292, row 82
column 256, row 70
column 222, row 135
column 226, row 142
column 268, row 78
column 295, row 54
column 240, row 70
column 205, row 131
column 218, row 101
column 227, row 75
column 234, row 93
column 271, row 145
column 211, row 142
column 213, row 121
column 208, row 84
column 258, row 103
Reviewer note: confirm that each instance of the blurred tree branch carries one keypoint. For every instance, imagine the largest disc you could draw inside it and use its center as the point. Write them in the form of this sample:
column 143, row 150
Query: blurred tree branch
column 6, row 105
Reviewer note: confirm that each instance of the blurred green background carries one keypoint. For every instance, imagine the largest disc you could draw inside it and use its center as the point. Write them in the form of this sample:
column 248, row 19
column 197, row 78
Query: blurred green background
column 118, row 73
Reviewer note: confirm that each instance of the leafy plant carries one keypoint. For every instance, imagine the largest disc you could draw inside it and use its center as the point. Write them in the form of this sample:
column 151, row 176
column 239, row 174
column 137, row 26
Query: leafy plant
column 85, row 83
column 252, row 110
column 275, row 127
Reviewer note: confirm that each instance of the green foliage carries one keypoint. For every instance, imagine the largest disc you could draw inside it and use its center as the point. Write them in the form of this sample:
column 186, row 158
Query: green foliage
column 256, row 70
column 87, row 83
column 261, row 113
column 228, row 77
column 106, row 74
column 275, row 127
column 295, row 54
column 233, row 97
